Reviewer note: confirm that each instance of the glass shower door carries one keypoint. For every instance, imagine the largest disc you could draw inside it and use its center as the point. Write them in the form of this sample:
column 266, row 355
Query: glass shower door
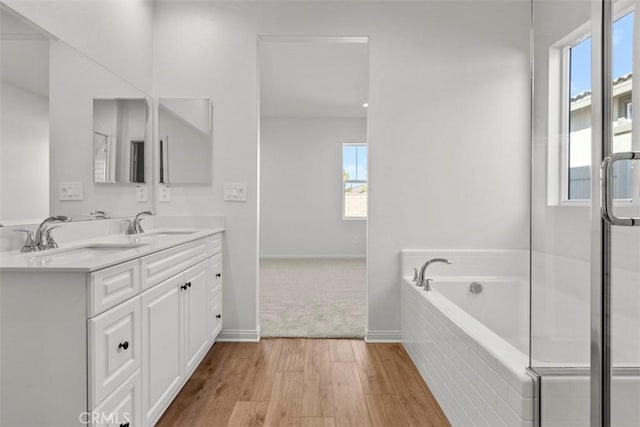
column 585, row 271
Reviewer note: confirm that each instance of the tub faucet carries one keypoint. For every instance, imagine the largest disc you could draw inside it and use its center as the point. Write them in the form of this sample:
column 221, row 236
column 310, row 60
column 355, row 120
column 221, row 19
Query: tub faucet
column 135, row 226
column 421, row 280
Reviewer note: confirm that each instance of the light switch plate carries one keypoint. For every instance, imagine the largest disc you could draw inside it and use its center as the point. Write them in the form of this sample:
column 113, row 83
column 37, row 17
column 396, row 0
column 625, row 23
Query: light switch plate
column 141, row 193
column 235, row 192
column 165, row 193
column 70, row 191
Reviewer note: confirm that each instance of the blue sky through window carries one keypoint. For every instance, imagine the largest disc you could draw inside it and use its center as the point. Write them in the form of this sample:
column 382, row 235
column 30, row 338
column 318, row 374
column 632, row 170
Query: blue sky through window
column 622, row 56
column 354, row 161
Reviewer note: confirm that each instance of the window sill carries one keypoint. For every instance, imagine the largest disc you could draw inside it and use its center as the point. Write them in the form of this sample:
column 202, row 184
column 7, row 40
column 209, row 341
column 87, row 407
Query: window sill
column 355, row 218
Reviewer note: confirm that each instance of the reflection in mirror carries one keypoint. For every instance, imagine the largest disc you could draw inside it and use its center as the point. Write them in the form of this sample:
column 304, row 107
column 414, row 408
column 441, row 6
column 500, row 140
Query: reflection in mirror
column 119, row 127
column 24, row 122
column 46, row 130
column 185, row 140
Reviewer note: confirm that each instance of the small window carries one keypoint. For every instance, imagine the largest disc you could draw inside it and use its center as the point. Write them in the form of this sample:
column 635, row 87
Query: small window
column 355, row 188
column 576, row 172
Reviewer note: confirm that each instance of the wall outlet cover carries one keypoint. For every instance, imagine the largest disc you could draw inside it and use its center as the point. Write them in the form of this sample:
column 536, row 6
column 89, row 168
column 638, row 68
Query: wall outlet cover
column 141, row 193
column 165, row 193
column 235, row 192
column 70, row 191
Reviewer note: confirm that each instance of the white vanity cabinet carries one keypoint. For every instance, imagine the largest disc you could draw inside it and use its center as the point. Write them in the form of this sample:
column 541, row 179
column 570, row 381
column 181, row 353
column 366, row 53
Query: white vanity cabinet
column 112, row 346
column 175, row 335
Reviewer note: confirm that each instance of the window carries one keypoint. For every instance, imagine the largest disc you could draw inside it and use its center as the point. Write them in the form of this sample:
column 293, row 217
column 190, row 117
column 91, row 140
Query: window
column 577, row 117
column 354, row 181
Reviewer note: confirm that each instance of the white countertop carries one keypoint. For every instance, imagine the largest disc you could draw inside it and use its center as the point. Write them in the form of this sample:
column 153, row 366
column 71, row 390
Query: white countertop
column 53, row 260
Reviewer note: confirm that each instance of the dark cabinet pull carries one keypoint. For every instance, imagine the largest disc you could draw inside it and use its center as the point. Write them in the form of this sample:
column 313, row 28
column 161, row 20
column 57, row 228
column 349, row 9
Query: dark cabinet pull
column 218, row 274
column 218, row 316
column 124, row 425
column 184, row 287
column 189, row 284
column 124, row 345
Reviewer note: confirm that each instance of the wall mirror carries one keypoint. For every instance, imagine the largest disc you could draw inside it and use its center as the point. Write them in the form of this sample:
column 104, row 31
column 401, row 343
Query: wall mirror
column 47, row 142
column 119, row 128
column 185, row 140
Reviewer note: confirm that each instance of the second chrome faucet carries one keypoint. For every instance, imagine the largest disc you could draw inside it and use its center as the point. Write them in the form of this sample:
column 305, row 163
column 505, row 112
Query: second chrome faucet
column 135, row 225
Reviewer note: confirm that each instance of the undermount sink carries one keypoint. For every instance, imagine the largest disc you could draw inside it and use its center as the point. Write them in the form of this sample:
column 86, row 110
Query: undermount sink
column 84, row 252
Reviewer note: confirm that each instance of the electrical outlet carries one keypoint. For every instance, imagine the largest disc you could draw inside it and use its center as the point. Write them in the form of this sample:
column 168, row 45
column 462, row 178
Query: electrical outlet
column 70, row 191
column 165, row 193
column 235, row 192
column 141, row 193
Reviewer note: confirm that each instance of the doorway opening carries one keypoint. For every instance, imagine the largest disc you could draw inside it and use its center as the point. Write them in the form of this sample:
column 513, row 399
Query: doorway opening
column 313, row 186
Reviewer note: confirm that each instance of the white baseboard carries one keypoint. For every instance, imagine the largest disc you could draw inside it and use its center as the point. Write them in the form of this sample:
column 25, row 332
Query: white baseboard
column 239, row 335
column 321, row 256
column 383, row 336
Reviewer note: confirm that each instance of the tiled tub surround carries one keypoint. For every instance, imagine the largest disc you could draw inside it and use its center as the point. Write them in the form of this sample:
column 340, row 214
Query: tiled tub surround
column 477, row 376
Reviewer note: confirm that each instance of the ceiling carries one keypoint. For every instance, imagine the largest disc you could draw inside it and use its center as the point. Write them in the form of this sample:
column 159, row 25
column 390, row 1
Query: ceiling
column 25, row 55
column 314, row 77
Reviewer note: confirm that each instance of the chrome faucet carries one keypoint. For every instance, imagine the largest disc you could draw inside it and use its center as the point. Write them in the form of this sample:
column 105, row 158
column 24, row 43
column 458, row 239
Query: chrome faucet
column 135, row 226
column 420, row 278
column 99, row 215
column 43, row 238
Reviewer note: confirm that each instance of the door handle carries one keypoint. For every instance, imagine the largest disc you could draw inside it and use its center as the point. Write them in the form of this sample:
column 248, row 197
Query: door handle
column 606, row 183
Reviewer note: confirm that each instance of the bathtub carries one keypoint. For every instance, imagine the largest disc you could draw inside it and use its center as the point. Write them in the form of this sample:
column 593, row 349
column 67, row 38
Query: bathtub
column 472, row 349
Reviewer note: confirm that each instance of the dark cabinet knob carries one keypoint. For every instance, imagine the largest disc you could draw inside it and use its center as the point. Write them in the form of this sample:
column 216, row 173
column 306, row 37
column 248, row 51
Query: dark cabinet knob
column 184, row 287
column 189, row 284
column 218, row 274
column 124, row 425
column 124, row 345
column 218, row 316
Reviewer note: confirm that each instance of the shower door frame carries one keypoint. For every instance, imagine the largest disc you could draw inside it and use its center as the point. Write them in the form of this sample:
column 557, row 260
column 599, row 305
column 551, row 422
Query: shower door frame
column 601, row 368
column 600, row 347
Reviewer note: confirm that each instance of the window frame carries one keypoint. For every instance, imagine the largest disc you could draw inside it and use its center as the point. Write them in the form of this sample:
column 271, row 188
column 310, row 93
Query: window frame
column 355, row 181
column 563, row 48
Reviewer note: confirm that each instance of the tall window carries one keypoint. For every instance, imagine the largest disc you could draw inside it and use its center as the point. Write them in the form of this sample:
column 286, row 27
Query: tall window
column 577, row 170
column 354, row 181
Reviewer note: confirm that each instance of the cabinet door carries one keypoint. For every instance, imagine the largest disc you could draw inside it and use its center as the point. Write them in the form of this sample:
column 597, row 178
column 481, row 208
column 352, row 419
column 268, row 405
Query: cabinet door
column 162, row 365
column 114, row 349
column 215, row 316
column 122, row 407
column 196, row 324
column 216, row 272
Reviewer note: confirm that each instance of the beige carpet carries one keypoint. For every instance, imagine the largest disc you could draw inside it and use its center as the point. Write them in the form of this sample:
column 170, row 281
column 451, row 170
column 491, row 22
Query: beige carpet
column 313, row 298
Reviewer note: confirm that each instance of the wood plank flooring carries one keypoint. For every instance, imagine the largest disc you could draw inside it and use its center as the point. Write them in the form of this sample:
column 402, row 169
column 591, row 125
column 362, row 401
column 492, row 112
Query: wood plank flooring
column 308, row 383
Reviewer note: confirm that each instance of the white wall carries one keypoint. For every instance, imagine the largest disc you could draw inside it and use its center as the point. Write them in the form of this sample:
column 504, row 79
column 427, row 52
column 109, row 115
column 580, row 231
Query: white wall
column 74, row 83
column 116, row 34
column 24, row 154
column 301, row 188
column 448, row 126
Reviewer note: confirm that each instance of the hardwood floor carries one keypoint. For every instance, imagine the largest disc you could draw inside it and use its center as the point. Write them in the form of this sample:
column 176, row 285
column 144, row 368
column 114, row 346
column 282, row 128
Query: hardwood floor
column 308, row 383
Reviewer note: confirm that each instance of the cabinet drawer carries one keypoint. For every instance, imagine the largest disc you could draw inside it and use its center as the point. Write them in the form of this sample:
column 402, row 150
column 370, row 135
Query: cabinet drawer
column 215, row 316
column 214, row 244
column 215, row 284
column 114, row 349
column 111, row 286
column 122, row 407
column 163, row 265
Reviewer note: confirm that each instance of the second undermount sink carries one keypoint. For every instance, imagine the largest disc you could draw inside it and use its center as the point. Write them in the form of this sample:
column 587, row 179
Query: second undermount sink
column 168, row 232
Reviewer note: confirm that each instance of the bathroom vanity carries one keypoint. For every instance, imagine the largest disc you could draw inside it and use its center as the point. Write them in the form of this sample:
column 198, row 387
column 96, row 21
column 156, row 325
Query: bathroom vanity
column 106, row 331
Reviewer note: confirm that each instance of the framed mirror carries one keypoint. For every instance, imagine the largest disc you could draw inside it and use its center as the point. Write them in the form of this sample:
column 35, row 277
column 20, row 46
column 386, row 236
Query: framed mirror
column 119, row 129
column 185, row 140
